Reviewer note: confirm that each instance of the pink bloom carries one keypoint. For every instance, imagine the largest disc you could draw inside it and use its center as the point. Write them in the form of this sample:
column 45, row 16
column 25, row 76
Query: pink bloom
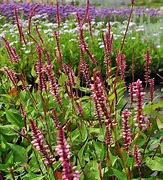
column 40, row 145
column 100, row 102
column 40, row 71
column 137, row 156
column 54, row 90
column 126, row 133
column 84, row 69
column 138, row 95
column 121, row 64
column 63, row 151
column 98, row 94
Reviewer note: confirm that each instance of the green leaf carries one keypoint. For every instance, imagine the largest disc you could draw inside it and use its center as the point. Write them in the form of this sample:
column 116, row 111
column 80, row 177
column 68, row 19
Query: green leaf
column 155, row 164
column 33, row 177
column 81, row 155
column 119, row 174
column 33, row 72
column 100, row 150
column 14, row 118
column 91, row 170
column 7, row 130
column 19, row 152
column 84, row 132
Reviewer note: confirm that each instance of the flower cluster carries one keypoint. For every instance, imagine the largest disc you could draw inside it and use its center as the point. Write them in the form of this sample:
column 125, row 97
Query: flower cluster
column 71, row 79
column 40, row 145
column 138, row 95
column 40, row 71
column 137, row 156
column 121, row 64
column 63, row 151
column 54, row 90
column 126, row 133
column 100, row 102
column 84, row 69
column 98, row 94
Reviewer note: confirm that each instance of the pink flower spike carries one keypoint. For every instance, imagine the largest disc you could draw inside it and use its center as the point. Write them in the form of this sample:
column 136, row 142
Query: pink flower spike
column 137, row 156
column 54, row 90
column 40, row 145
column 121, row 65
column 138, row 95
column 40, row 71
column 62, row 149
column 126, row 133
